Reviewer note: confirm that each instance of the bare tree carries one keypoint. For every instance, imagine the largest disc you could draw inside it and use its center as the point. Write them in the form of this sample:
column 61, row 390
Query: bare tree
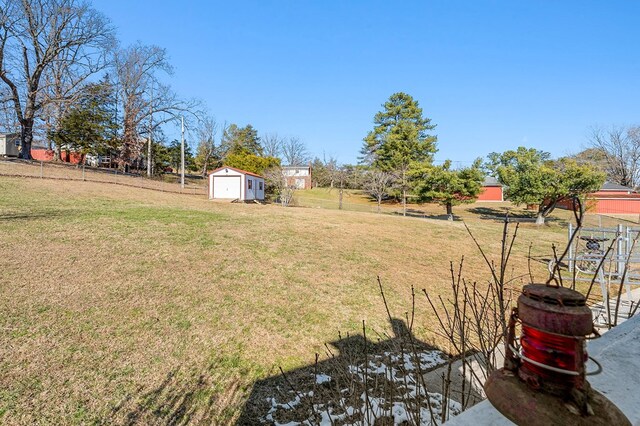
column 208, row 134
column 621, row 149
column 272, row 144
column 323, row 171
column 64, row 84
column 339, row 179
column 294, row 152
column 8, row 120
column 36, row 34
column 278, row 185
column 378, row 184
column 143, row 95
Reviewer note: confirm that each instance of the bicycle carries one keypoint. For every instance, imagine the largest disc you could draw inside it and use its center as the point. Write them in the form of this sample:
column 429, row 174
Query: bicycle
column 588, row 260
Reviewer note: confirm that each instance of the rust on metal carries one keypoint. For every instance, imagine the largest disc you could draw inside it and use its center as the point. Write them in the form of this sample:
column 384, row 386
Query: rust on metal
column 545, row 382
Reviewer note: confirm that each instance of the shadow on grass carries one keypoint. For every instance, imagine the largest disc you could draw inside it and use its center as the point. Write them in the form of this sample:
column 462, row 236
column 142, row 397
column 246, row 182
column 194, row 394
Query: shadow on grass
column 424, row 215
column 330, row 389
column 6, row 217
column 183, row 398
column 521, row 216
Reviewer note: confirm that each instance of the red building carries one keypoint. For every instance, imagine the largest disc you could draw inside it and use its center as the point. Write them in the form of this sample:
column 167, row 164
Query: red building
column 610, row 199
column 43, row 154
column 614, row 199
column 491, row 190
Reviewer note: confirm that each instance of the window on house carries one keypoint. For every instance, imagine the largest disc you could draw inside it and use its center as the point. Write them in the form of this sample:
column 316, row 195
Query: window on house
column 260, row 186
column 249, row 181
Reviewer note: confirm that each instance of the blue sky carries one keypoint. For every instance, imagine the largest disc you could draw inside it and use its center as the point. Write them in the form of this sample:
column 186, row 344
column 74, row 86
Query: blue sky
column 493, row 75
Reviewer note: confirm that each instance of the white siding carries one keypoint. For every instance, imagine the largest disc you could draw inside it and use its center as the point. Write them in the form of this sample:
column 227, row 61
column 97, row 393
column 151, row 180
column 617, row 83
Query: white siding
column 9, row 144
column 295, row 171
column 227, row 183
column 254, row 193
column 226, row 187
column 260, row 192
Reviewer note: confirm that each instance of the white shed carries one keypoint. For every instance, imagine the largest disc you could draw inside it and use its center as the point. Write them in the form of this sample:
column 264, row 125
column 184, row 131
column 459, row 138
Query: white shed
column 229, row 183
column 9, row 144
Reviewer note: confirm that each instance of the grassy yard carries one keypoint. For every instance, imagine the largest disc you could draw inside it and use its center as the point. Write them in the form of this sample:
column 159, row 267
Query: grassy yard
column 122, row 305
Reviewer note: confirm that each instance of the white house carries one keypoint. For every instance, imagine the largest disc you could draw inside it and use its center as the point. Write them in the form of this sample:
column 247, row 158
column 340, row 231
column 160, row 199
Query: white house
column 229, row 183
column 298, row 176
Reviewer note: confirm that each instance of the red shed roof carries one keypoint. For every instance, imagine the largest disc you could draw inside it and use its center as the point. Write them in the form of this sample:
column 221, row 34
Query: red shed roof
column 244, row 172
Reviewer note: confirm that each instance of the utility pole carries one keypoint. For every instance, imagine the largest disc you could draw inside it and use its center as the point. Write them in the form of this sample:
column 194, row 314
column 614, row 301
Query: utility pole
column 150, row 132
column 182, row 154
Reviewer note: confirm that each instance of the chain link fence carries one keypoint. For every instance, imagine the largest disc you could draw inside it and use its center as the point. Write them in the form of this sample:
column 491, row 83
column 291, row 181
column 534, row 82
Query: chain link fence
column 68, row 172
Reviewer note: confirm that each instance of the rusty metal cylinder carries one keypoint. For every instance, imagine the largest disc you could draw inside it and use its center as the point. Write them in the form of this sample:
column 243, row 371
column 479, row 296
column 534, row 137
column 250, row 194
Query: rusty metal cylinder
column 545, row 382
column 556, row 310
column 555, row 322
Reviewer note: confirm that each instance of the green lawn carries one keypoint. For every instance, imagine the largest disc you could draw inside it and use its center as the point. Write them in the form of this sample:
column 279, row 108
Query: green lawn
column 121, row 305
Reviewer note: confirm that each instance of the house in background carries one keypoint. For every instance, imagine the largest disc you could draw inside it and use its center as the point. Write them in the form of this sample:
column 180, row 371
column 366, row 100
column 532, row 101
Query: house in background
column 66, row 155
column 615, row 199
column 611, row 198
column 298, row 177
column 9, row 144
column 229, row 183
column 492, row 190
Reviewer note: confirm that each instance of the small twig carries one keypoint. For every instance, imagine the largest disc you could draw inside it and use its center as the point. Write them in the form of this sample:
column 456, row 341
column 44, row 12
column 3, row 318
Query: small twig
column 529, row 264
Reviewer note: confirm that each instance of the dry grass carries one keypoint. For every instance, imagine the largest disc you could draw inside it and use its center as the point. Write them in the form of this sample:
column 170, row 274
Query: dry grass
column 121, row 305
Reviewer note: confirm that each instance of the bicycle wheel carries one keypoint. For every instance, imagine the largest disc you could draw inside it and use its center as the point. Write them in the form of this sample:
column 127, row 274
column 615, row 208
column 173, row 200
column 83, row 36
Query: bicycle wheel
column 551, row 266
column 588, row 264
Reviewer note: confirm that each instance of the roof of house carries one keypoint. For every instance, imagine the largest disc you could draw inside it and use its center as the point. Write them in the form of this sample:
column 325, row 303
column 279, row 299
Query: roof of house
column 491, row 181
column 610, row 186
column 244, row 172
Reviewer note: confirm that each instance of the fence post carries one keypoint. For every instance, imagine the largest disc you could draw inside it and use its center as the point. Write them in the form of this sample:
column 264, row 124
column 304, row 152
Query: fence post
column 41, row 169
column 83, row 179
column 570, row 247
column 621, row 248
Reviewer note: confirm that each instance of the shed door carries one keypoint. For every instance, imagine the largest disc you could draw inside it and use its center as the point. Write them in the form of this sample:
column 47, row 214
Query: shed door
column 226, row 187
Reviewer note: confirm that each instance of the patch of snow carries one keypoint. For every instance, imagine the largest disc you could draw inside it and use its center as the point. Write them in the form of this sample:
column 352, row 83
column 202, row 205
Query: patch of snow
column 399, row 412
column 322, row 378
column 431, row 359
column 400, row 368
column 377, row 367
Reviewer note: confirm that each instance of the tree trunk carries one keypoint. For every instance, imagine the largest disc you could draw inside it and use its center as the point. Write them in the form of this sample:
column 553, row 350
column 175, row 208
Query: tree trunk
column 379, row 202
column 340, row 205
column 57, row 156
column 404, row 193
column 449, row 211
column 47, row 133
column 205, row 167
column 26, row 138
column 540, row 218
